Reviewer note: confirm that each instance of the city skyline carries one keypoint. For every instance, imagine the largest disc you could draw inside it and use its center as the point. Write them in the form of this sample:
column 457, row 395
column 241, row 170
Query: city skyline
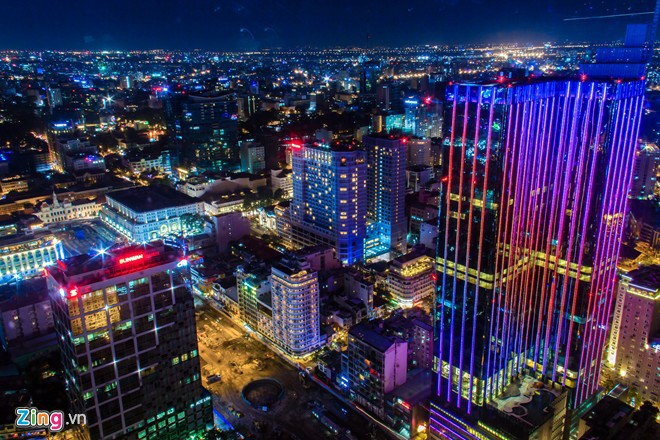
column 334, row 220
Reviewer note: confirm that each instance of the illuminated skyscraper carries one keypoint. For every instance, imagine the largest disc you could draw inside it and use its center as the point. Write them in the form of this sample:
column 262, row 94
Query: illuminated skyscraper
column 330, row 198
column 126, row 323
column 533, row 205
column 295, row 301
column 386, row 192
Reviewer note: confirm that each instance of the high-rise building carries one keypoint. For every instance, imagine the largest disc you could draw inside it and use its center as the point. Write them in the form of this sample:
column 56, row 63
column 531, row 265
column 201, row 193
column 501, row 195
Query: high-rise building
column 126, row 323
column 330, row 198
column 205, row 129
column 253, row 157
column 645, row 176
column 634, row 348
column 534, row 187
column 252, row 281
column 295, row 307
column 386, row 192
column 419, row 152
column 374, row 364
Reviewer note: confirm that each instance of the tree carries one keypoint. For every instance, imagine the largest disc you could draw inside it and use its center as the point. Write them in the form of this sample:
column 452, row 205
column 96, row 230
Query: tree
column 192, row 224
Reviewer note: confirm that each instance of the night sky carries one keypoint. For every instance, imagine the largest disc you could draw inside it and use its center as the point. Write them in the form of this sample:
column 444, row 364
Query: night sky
column 249, row 24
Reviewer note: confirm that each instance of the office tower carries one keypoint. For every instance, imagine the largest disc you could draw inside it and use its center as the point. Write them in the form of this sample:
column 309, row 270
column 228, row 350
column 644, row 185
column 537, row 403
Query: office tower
column 54, row 97
column 645, row 176
column 126, row 323
column 634, row 348
column 386, row 192
column 330, row 198
column 374, row 364
column 126, row 82
column 423, row 117
column 205, row 129
column 533, row 204
column 253, row 157
column 246, row 107
column 419, row 152
column 295, row 305
column 252, row 281
column 409, row 279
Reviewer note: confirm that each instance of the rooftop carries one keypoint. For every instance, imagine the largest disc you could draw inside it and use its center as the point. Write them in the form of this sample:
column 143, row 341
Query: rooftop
column 366, row 333
column 151, row 198
column 647, row 277
column 83, row 270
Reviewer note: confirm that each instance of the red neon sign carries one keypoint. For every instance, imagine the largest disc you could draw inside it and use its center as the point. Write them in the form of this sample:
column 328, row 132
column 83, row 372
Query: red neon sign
column 73, row 293
column 132, row 258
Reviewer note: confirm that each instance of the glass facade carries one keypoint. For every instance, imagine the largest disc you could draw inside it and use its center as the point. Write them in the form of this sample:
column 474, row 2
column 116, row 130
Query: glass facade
column 532, row 210
column 129, row 348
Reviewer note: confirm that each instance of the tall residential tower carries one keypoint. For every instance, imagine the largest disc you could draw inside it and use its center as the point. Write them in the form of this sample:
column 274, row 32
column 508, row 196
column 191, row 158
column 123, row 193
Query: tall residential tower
column 386, row 192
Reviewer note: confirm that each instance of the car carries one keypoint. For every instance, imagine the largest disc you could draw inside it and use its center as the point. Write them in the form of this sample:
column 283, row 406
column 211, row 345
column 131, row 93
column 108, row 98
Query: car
column 214, row 378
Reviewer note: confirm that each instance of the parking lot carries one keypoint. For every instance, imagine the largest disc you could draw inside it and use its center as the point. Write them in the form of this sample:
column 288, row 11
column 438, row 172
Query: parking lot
column 226, row 350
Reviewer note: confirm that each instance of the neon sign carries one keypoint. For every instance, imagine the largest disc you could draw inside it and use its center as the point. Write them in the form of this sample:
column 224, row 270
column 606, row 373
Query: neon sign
column 132, row 258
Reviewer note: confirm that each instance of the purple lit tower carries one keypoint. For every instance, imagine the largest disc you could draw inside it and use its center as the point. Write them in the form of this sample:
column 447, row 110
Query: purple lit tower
column 534, row 185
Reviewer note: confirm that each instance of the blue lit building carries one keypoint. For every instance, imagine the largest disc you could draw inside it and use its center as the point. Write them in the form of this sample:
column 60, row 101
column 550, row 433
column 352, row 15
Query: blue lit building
column 386, row 193
column 330, row 198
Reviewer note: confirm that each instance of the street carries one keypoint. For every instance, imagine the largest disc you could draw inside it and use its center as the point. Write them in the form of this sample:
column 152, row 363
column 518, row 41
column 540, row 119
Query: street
column 228, row 351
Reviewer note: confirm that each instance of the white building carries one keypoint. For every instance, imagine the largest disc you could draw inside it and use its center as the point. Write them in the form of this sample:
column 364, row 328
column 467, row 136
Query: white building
column 143, row 161
column 634, row 348
column 410, row 280
column 282, row 179
column 57, row 211
column 295, row 302
column 26, row 255
column 146, row 213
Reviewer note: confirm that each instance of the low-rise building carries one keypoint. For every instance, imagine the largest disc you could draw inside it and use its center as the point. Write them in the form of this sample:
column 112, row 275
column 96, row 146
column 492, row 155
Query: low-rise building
column 139, row 160
column 282, row 179
column 26, row 255
column 409, row 279
column 15, row 183
column 54, row 211
column 146, row 213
